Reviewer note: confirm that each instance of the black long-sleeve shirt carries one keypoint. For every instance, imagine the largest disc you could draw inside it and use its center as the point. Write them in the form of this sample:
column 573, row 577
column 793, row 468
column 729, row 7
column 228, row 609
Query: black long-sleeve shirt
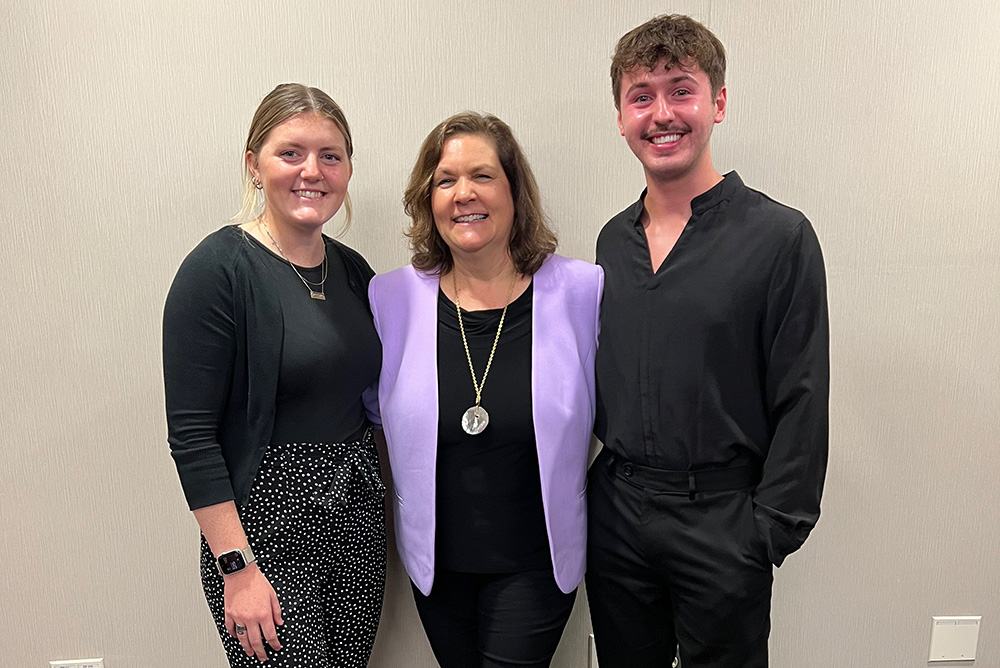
column 721, row 357
column 223, row 347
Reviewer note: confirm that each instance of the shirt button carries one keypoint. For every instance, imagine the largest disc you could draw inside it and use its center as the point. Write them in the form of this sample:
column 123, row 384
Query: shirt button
column 627, row 470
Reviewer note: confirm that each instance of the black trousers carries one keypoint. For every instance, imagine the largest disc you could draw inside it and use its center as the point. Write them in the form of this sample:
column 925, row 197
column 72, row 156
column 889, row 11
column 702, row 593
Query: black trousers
column 665, row 569
column 503, row 620
column 316, row 522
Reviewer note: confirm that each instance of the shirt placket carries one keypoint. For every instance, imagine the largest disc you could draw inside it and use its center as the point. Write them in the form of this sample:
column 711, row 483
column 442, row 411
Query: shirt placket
column 645, row 299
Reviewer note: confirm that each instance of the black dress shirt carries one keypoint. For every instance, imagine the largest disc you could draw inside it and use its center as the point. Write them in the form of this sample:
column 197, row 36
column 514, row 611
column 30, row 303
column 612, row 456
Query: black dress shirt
column 720, row 358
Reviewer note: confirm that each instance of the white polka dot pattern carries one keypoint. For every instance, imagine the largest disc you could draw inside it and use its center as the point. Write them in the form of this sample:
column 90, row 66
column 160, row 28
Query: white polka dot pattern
column 315, row 520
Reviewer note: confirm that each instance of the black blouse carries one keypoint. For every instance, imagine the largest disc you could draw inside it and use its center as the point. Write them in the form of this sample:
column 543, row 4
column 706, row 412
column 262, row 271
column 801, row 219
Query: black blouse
column 489, row 497
column 330, row 353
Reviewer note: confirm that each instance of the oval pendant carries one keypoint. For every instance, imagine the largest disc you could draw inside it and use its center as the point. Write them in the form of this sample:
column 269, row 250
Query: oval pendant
column 474, row 420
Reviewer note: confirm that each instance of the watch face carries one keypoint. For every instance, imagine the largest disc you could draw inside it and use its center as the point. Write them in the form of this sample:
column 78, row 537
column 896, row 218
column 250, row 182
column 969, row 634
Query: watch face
column 231, row 562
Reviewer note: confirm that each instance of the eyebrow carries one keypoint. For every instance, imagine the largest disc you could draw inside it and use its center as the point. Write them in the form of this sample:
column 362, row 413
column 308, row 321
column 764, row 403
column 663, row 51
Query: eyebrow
column 294, row 144
column 475, row 168
column 673, row 80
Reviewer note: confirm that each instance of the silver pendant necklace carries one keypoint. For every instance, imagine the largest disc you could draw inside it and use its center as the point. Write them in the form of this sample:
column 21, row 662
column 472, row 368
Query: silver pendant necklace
column 314, row 294
column 475, row 419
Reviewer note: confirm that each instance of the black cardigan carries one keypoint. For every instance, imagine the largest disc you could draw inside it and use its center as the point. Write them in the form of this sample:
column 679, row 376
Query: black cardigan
column 221, row 361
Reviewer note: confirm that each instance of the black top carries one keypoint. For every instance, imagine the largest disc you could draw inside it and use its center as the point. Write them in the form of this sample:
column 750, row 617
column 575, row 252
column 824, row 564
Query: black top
column 720, row 358
column 335, row 338
column 489, row 494
column 222, row 346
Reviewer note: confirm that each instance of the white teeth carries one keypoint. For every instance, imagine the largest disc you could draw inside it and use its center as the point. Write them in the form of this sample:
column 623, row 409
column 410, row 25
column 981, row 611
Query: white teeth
column 309, row 194
column 471, row 218
column 665, row 139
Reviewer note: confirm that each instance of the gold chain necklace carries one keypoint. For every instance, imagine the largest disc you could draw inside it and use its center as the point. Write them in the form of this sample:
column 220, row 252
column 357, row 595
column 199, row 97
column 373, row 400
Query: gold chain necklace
column 475, row 419
column 321, row 294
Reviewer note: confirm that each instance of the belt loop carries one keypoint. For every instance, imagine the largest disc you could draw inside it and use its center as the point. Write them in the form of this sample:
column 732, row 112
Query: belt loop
column 611, row 462
column 692, row 488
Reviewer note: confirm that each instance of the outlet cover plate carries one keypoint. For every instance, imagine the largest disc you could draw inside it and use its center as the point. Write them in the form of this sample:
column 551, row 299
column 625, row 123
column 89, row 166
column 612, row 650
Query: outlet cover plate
column 954, row 638
column 78, row 663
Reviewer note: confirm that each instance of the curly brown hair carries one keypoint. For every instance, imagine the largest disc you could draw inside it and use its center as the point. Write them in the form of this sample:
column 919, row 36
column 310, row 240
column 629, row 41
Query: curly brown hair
column 531, row 239
column 675, row 38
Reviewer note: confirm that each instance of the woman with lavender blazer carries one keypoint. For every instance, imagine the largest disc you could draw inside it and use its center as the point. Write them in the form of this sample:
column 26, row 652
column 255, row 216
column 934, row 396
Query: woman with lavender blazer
column 489, row 477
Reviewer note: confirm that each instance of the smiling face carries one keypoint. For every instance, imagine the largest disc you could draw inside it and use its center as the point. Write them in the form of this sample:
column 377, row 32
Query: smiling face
column 471, row 198
column 304, row 168
column 667, row 116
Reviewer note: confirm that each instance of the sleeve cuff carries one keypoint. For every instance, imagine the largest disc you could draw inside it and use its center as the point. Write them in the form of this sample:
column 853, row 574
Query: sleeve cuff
column 781, row 533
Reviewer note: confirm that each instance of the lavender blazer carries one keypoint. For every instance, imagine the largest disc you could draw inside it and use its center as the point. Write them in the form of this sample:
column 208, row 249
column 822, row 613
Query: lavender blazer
column 564, row 321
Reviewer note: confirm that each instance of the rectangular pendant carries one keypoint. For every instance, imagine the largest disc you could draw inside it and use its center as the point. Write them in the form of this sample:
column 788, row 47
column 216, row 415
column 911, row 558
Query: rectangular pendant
column 317, row 295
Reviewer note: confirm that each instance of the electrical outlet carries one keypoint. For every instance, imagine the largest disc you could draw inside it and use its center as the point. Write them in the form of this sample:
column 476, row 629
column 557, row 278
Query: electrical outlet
column 78, row 663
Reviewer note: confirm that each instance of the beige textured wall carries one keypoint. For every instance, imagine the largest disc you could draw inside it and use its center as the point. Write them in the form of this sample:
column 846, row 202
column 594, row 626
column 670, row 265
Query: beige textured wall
column 879, row 119
column 122, row 127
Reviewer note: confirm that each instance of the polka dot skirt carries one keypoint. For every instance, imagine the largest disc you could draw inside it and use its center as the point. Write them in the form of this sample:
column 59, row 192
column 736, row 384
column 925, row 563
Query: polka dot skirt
column 316, row 522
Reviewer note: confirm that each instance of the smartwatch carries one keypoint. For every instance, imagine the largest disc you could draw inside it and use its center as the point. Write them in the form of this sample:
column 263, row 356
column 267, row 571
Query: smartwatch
column 234, row 561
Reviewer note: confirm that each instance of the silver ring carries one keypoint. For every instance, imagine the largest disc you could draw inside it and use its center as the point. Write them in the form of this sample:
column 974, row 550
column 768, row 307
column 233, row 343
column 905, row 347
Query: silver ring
column 240, row 629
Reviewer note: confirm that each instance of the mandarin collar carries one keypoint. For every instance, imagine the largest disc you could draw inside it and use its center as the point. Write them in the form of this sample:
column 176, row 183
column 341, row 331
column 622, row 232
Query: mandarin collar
column 720, row 192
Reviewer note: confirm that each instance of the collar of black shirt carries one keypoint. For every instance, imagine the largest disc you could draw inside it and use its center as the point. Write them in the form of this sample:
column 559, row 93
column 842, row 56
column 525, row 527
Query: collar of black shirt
column 709, row 199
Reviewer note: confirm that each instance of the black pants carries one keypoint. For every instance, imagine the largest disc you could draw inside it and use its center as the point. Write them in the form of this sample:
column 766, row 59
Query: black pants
column 494, row 621
column 315, row 520
column 664, row 569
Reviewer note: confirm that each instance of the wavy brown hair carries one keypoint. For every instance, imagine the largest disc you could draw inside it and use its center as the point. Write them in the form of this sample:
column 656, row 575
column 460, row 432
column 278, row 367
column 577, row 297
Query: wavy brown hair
column 531, row 239
column 675, row 38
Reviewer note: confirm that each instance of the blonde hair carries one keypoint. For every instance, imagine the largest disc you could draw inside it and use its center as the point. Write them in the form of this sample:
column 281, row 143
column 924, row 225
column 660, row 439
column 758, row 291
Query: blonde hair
column 285, row 101
column 531, row 239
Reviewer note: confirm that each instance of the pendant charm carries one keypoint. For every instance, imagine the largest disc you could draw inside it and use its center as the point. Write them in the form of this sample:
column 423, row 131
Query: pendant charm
column 474, row 420
column 317, row 295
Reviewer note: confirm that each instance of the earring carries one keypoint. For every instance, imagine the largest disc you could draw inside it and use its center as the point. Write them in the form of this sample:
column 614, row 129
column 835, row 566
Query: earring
column 256, row 183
